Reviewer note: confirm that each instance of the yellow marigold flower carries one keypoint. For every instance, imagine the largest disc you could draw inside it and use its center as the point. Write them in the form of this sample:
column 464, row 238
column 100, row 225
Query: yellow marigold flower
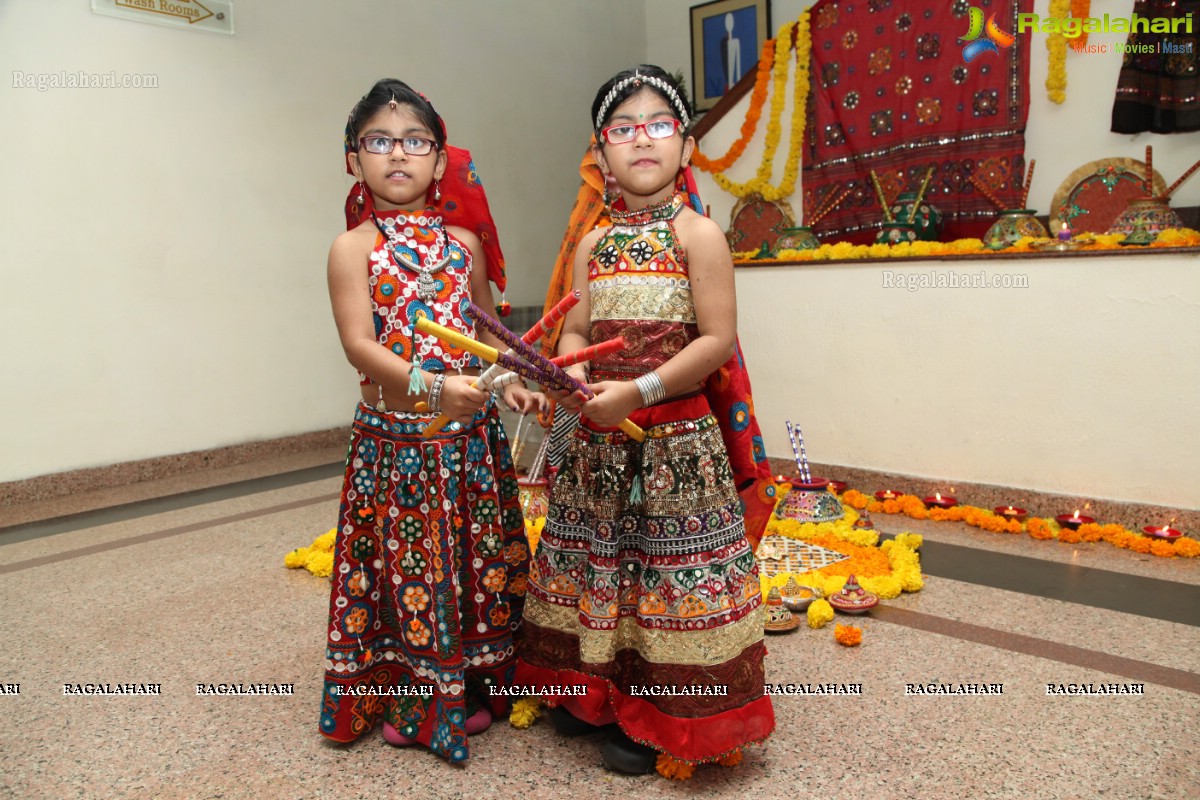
column 670, row 768
column 325, row 541
column 1187, row 548
column 885, row 587
column 911, row 579
column 296, row 558
column 847, row 635
column 319, row 563
column 819, row 613
column 912, row 541
column 525, row 712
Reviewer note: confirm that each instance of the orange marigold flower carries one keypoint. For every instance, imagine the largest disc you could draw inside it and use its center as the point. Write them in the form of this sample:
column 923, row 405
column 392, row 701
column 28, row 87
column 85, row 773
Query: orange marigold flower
column 1139, row 544
column 1162, row 549
column 731, row 760
column 1069, row 536
column 670, row 768
column 847, row 635
column 1039, row 529
column 855, row 499
column 1188, row 548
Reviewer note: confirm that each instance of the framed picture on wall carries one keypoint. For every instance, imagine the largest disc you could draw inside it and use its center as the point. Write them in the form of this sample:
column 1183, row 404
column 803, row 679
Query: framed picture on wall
column 727, row 38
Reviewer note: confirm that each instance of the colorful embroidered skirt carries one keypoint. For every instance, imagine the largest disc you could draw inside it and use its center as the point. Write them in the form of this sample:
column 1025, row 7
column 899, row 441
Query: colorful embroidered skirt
column 429, row 574
column 653, row 605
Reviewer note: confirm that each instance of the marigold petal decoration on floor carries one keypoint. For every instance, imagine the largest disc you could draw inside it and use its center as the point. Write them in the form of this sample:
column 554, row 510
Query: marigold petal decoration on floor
column 671, row 768
column 317, row 558
column 525, row 712
column 848, row 635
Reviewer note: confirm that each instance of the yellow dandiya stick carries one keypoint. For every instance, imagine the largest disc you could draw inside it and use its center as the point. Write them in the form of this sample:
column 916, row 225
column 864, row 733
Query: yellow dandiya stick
column 1028, row 183
column 986, row 192
column 491, row 354
column 887, row 212
column 912, row 214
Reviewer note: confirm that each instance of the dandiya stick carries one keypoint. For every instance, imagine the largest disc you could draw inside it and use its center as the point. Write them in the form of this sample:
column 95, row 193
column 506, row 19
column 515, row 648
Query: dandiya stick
column 828, row 207
column 553, row 377
column 590, row 352
column 1149, row 181
column 489, row 377
column 887, row 211
column 1179, row 182
column 920, row 195
column 986, row 192
column 1028, row 183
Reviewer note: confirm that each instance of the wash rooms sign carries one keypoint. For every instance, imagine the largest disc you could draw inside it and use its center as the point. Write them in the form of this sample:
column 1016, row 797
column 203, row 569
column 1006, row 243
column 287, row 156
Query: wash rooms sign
column 215, row 16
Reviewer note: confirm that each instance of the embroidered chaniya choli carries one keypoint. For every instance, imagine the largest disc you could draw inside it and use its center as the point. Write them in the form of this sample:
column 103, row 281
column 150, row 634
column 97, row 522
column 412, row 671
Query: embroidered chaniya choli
column 430, row 562
column 644, row 587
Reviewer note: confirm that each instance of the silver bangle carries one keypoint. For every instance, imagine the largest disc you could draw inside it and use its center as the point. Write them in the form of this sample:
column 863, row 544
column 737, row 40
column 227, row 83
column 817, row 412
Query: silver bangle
column 435, row 393
column 650, row 387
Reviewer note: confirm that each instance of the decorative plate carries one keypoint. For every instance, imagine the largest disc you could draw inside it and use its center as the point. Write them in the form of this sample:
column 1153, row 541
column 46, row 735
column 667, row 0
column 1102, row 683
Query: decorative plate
column 1094, row 195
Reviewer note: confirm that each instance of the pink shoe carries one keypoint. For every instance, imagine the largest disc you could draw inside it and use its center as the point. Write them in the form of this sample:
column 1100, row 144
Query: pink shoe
column 393, row 736
column 478, row 722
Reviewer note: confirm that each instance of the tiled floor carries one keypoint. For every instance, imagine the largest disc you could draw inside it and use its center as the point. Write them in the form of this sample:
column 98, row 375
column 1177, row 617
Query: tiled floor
column 190, row 588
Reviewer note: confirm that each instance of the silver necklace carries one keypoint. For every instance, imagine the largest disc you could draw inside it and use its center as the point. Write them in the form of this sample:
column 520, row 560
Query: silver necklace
column 426, row 285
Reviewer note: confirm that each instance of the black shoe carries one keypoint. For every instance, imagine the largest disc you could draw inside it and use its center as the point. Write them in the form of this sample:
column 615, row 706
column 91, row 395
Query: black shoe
column 567, row 724
column 622, row 754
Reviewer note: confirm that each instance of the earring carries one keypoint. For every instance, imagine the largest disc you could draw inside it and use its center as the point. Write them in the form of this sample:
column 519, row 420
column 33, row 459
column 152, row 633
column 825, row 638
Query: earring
column 437, row 190
column 359, row 197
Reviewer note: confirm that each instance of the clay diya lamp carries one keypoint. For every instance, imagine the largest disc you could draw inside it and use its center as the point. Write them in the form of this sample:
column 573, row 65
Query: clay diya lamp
column 1008, row 512
column 837, row 487
column 1073, row 522
column 779, row 618
column 853, row 599
column 1165, row 532
column 887, row 494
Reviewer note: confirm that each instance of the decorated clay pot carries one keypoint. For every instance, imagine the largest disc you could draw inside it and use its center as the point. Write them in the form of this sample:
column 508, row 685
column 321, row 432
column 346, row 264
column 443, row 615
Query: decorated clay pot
column 864, row 523
column 1014, row 224
column 1152, row 214
column 797, row 239
column 534, row 496
column 895, row 233
column 810, row 502
column 853, row 599
column 779, row 619
column 925, row 218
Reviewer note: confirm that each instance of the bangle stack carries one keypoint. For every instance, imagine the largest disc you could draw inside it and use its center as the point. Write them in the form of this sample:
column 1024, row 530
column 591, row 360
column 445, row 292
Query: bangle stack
column 651, row 388
column 435, row 393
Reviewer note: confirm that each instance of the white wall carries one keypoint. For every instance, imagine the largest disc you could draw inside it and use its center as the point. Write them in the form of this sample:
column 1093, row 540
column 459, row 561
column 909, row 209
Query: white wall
column 163, row 250
column 1101, row 349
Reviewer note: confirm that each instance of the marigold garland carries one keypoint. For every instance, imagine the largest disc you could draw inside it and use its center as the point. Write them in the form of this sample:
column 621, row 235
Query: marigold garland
column 1080, row 10
column 1056, row 46
column 845, row 251
column 758, row 98
column 1037, row 527
column 761, row 182
column 848, row 635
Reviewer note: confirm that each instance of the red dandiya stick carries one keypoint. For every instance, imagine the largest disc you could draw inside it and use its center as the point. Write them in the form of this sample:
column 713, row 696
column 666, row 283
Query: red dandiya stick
column 827, row 207
column 589, row 352
column 1179, row 182
column 1028, row 183
column 553, row 316
column 986, row 192
column 1149, row 182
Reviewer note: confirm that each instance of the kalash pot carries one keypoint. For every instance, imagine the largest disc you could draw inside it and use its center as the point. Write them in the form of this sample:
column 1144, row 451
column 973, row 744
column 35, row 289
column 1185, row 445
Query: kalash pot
column 1014, row 224
column 810, row 502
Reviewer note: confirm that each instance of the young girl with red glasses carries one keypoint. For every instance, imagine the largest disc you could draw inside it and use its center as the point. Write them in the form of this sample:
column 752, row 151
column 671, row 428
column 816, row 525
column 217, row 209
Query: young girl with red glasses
column 644, row 587
column 430, row 561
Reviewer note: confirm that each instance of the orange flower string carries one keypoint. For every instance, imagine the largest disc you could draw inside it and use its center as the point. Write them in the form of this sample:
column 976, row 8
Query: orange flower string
column 1080, row 10
column 758, row 97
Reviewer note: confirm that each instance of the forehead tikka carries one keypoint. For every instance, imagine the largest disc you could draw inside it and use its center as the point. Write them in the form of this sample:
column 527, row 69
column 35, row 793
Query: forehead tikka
column 637, row 79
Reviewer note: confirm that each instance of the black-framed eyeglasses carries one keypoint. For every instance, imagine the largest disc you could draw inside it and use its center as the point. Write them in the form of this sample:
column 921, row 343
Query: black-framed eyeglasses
column 384, row 145
column 655, row 129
